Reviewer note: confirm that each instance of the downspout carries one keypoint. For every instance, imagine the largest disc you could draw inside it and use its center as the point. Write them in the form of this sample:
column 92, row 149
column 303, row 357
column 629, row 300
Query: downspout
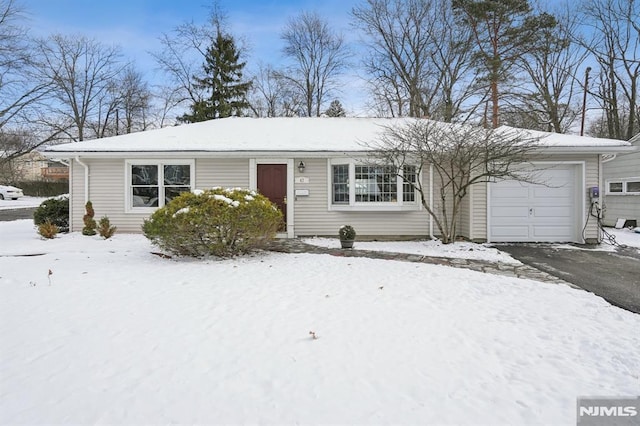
column 431, row 200
column 86, row 187
column 86, row 178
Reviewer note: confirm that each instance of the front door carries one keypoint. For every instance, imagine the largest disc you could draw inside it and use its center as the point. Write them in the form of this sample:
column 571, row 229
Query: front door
column 272, row 183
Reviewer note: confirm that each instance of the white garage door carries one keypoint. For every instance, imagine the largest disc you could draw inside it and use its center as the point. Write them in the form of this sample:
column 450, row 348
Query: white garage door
column 526, row 212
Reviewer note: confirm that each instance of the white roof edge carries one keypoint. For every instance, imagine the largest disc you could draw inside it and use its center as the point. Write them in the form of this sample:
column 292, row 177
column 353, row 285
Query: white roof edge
column 191, row 154
column 587, row 149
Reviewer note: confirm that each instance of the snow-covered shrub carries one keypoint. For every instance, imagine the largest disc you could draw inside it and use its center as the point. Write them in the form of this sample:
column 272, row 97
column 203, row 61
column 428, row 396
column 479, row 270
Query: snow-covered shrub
column 55, row 211
column 217, row 222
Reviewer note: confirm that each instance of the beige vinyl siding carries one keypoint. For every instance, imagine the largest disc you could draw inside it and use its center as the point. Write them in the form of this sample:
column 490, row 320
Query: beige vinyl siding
column 478, row 212
column 621, row 206
column 227, row 173
column 107, row 189
column 313, row 217
column 592, row 178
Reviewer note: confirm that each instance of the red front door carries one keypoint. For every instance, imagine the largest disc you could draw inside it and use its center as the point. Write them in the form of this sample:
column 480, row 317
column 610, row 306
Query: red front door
column 272, row 183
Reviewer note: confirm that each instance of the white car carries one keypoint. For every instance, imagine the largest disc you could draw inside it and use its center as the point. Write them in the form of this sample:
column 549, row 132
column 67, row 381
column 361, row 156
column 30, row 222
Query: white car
column 10, row 192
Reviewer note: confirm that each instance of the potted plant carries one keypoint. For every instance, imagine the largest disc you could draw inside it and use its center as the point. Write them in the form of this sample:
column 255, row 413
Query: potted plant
column 347, row 236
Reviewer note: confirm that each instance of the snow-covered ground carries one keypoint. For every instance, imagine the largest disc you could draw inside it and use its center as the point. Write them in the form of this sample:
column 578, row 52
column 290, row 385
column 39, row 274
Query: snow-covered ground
column 433, row 248
column 625, row 236
column 21, row 203
column 95, row 331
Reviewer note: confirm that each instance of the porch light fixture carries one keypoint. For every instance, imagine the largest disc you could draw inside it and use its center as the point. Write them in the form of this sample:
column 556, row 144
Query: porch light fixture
column 301, row 166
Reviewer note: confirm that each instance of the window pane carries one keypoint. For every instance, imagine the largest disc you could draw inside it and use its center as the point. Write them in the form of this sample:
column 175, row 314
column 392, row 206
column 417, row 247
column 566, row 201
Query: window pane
column 376, row 184
column 177, row 175
column 145, row 197
column 341, row 184
column 172, row 192
column 408, row 191
column 615, row 186
column 633, row 186
column 144, row 175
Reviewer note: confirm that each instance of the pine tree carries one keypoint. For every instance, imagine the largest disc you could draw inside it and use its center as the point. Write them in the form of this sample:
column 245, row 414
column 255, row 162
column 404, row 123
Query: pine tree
column 335, row 109
column 504, row 30
column 223, row 81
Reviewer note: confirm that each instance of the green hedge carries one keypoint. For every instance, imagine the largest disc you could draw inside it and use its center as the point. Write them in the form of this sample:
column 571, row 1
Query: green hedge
column 43, row 188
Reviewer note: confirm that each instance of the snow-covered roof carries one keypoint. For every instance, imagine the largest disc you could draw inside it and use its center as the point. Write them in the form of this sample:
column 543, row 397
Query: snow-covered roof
column 281, row 134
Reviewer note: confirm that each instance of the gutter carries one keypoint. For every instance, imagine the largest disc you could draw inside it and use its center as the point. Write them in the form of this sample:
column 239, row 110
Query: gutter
column 609, row 158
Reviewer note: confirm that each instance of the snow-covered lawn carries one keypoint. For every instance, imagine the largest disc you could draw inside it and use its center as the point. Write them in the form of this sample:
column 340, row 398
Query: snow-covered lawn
column 118, row 335
column 21, row 203
column 625, row 236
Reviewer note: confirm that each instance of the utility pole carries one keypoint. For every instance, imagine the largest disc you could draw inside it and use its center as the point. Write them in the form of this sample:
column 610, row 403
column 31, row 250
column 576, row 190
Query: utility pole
column 584, row 98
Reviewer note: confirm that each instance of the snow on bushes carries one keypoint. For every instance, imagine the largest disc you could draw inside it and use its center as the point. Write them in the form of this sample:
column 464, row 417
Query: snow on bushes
column 215, row 222
column 54, row 211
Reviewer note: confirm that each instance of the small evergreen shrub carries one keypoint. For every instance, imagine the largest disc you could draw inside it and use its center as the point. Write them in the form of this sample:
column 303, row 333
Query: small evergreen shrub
column 216, row 222
column 105, row 229
column 346, row 233
column 90, row 224
column 55, row 211
column 48, row 230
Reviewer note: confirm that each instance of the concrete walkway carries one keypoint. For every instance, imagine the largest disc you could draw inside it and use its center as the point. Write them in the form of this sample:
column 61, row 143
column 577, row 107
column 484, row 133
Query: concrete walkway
column 294, row 245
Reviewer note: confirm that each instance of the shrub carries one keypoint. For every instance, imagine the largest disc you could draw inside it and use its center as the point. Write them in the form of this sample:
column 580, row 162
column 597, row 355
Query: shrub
column 346, row 233
column 105, row 229
column 218, row 222
column 55, row 211
column 48, row 230
column 90, row 224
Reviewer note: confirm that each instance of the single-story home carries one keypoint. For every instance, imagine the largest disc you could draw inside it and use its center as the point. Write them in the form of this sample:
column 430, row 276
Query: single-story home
column 306, row 167
column 622, row 186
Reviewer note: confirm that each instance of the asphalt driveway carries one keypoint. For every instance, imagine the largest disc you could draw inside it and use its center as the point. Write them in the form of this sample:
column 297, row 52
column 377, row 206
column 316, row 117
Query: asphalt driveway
column 615, row 276
column 15, row 214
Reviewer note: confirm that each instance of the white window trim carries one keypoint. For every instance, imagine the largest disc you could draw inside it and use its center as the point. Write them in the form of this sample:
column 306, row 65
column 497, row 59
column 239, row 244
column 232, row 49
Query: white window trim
column 399, row 205
column 149, row 162
column 624, row 182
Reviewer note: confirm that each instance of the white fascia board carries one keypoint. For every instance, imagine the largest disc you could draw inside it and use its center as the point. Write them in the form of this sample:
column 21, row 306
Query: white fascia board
column 584, row 149
column 203, row 154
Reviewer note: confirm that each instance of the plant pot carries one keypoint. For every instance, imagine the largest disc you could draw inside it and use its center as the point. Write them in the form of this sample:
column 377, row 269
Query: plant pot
column 346, row 244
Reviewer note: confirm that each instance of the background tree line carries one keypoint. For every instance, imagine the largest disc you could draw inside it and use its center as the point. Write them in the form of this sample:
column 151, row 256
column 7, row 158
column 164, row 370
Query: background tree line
column 488, row 62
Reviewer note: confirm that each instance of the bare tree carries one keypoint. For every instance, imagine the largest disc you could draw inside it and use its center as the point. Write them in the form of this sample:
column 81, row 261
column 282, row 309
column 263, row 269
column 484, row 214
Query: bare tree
column 271, row 96
column 134, row 98
column 83, row 73
column 615, row 44
column 551, row 102
column 418, row 57
column 396, row 33
column 319, row 56
column 20, row 91
column 460, row 155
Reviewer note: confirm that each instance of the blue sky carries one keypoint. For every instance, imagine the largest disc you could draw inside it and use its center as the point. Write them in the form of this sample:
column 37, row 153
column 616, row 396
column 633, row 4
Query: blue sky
column 136, row 24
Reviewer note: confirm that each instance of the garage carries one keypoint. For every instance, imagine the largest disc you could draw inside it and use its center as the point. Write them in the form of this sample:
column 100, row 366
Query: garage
column 548, row 210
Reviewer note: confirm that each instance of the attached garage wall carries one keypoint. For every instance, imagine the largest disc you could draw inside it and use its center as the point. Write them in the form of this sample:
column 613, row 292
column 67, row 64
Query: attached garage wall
column 543, row 217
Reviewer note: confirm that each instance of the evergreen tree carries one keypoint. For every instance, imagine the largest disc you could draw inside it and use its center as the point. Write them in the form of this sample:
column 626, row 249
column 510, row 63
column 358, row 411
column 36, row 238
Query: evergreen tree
column 335, row 109
column 504, row 31
column 223, row 81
